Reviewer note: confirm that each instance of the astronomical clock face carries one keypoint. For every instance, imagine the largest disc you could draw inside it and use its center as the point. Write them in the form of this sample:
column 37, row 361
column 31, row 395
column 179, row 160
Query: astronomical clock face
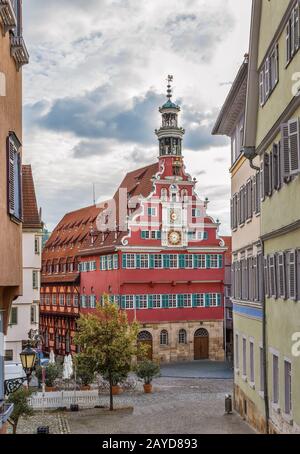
column 175, row 216
column 174, row 237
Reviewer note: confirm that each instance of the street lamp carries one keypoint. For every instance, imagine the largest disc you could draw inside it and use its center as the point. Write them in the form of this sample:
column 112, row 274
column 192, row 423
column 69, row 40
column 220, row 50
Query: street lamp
column 28, row 358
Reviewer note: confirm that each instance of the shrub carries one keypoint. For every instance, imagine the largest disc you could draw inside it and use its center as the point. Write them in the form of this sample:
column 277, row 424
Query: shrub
column 85, row 369
column 21, row 407
column 53, row 371
column 147, row 370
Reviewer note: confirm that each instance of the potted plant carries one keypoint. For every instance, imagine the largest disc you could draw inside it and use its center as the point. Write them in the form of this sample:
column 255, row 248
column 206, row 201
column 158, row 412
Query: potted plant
column 85, row 370
column 147, row 370
column 116, row 379
column 52, row 372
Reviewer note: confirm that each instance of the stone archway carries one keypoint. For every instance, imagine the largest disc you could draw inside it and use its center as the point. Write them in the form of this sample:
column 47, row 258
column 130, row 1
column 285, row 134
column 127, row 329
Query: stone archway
column 145, row 338
column 201, row 344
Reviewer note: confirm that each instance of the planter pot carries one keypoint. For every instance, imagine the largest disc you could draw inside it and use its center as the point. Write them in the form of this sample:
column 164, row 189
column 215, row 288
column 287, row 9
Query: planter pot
column 50, row 389
column 116, row 390
column 85, row 388
column 147, row 388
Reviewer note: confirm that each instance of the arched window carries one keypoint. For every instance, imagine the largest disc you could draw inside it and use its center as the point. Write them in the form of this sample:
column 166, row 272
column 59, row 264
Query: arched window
column 201, row 332
column 144, row 335
column 184, row 193
column 182, row 336
column 164, row 337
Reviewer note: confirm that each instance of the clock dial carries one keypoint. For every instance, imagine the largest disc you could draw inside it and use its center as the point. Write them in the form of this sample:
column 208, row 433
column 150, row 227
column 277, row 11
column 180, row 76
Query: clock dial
column 174, row 237
column 173, row 216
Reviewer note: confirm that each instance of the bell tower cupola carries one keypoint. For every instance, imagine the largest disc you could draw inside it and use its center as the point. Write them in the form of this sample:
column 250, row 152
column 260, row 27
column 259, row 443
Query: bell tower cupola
column 170, row 135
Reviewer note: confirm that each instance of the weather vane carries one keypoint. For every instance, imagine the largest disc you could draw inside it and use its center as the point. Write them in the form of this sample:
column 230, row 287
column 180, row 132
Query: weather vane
column 169, row 90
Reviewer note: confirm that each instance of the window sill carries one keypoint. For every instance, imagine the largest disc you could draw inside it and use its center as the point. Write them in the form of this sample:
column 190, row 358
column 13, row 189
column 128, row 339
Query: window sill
column 15, row 220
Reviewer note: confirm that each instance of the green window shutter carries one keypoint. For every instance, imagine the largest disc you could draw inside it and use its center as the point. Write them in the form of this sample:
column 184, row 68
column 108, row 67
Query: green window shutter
column 207, row 300
column 181, row 261
column 138, row 261
column 195, row 261
column 159, row 235
column 137, row 301
column 151, row 261
column 165, row 301
column 208, row 261
column 143, row 234
column 180, row 301
column 150, row 302
column 124, row 260
column 220, row 261
column 166, row 261
column 194, row 300
column 219, row 299
column 123, row 302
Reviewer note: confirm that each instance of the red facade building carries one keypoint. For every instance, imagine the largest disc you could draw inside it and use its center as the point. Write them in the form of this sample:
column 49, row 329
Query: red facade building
column 153, row 249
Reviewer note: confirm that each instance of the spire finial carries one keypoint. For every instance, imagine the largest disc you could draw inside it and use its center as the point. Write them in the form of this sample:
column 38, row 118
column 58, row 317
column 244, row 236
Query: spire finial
column 169, row 90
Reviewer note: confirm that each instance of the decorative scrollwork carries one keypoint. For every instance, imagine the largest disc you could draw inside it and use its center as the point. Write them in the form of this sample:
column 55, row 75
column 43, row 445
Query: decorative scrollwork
column 11, row 386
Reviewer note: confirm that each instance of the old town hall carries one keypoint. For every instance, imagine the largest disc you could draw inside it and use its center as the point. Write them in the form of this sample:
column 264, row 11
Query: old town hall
column 153, row 249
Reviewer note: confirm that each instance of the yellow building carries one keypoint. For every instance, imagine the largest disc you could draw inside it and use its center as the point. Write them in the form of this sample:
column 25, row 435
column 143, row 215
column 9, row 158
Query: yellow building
column 271, row 149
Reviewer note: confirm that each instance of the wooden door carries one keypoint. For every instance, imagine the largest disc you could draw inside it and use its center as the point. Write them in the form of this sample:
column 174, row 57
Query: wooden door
column 145, row 338
column 201, row 347
column 148, row 343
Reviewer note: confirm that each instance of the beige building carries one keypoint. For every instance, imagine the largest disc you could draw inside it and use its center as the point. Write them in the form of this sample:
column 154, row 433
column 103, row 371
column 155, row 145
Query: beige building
column 13, row 55
column 267, row 367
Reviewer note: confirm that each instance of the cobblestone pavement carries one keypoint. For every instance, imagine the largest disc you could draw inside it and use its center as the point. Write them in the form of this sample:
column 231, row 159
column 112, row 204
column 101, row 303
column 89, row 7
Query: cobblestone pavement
column 177, row 406
column 54, row 420
column 198, row 369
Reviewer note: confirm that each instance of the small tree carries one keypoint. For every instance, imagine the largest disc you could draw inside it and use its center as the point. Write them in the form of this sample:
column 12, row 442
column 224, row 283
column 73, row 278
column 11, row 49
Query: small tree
column 21, row 407
column 108, row 338
column 147, row 370
column 85, row 368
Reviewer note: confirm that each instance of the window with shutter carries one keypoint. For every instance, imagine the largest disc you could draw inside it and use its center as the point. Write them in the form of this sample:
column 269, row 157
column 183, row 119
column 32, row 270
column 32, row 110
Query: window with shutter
column 281, row 275
column 249, row 199
column 271, row 187
column 285, row 154
column 250, row 279
column 296, row 28
column 267, row 78
column 291, row 274
column 298, row 275
column 258, row 193
column 272, row 276
column 266, row 277
column 262, row 182
column 266, row 175
column 288, row 41
column 14, row 167
column 294, row 141
column 275, row 168
column 262, row 88
column 231, row 214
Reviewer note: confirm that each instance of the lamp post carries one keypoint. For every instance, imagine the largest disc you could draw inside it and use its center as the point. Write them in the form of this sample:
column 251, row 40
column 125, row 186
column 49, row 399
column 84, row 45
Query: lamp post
column 28, row 358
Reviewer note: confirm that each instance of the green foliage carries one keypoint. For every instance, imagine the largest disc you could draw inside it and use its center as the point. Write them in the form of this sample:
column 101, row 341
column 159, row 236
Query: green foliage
column 108, row 338
column 21, row 407
column 116, row 377
column 147, row 370
column 53, row 371
column 85, row 368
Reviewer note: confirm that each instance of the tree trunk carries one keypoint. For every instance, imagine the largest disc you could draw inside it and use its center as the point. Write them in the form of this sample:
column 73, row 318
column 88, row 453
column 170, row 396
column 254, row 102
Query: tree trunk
column 111, row 399
column 15, row 428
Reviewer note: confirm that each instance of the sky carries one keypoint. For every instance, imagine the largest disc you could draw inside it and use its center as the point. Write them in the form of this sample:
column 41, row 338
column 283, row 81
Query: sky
column 96, row 78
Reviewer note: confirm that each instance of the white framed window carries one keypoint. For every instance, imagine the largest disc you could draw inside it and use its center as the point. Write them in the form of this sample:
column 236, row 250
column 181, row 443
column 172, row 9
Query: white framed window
column 61, row 299
column 172, row 301
column 182, row 336
column 130, row 261
column 214, row 261
column 213, row 299
column 199, row 300
column 37, row 248
column 75, row 300
column 287, row 387
column 68, row 299
column 143, row 301
column 151, row 211
column 189, row 261
column 164, row 337
column 200, row 261
column 187, row 300
column 13, row 319
column 54, row 299
column 144, row 261
column 35, row 279
column 110, row 262
column 261, row 372
column 156, row 301
column 192, row 236
column 129, row 301
column 157, row 261
column 173, row 260
column 116, row 261
column 93, row 301
column 275, row 375
column 251, row 351
column 196, row 213
column 244, row 356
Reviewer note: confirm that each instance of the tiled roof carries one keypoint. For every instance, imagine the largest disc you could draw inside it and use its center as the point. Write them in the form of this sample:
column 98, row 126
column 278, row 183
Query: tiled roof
column 69, row 234
column 31, row 217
